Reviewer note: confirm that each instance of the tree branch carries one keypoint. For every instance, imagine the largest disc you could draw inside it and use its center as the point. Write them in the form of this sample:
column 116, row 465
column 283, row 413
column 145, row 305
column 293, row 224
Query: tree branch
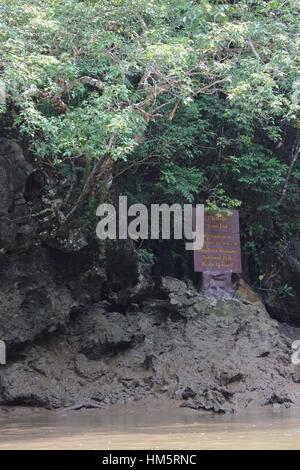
column 89, row 184
column 254, row 50
column 211, row 85
column 55, row 101
column 295, row 155
column 92, row 82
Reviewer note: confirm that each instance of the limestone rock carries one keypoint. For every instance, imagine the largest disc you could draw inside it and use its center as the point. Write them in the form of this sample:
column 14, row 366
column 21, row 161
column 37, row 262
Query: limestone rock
column 32, row 302
column 228, row 355
column 102, row 333
column 14, row 171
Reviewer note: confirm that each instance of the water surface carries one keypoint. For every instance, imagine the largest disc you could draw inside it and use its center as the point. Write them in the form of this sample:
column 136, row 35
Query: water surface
column 149, row 425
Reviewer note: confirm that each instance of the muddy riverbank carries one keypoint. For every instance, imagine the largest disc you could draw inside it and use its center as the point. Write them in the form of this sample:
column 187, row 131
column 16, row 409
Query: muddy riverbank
column 221, row 355
column 207, row 354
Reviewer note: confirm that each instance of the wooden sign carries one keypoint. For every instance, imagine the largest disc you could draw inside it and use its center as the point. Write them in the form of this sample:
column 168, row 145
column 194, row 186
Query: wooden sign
column 221, row 251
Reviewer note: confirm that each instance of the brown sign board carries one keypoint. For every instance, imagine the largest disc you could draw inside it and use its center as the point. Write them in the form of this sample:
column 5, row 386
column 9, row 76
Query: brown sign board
column 221, row 251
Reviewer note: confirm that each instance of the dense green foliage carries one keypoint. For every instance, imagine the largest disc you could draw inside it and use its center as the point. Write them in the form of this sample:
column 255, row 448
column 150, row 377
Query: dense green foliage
column 189, row 100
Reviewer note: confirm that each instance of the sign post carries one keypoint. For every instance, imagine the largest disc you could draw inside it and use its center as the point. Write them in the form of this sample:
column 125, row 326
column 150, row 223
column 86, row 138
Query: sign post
column 221, row 253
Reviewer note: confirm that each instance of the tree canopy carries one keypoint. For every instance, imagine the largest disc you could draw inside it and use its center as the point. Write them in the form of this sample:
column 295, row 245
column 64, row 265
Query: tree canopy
column 179, row 100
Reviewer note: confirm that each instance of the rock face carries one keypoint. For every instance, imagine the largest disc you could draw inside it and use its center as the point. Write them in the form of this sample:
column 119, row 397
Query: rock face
column 285, row 271
column 219, row 355
column 77, row 334
column 129, row 279
column 122, row 264
column 14, row 171
column 217, row 284
column 101, row 333
column 32, row 302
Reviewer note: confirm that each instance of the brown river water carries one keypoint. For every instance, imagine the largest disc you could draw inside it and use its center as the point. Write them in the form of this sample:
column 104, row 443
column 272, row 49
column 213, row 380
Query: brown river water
column 149, row 425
